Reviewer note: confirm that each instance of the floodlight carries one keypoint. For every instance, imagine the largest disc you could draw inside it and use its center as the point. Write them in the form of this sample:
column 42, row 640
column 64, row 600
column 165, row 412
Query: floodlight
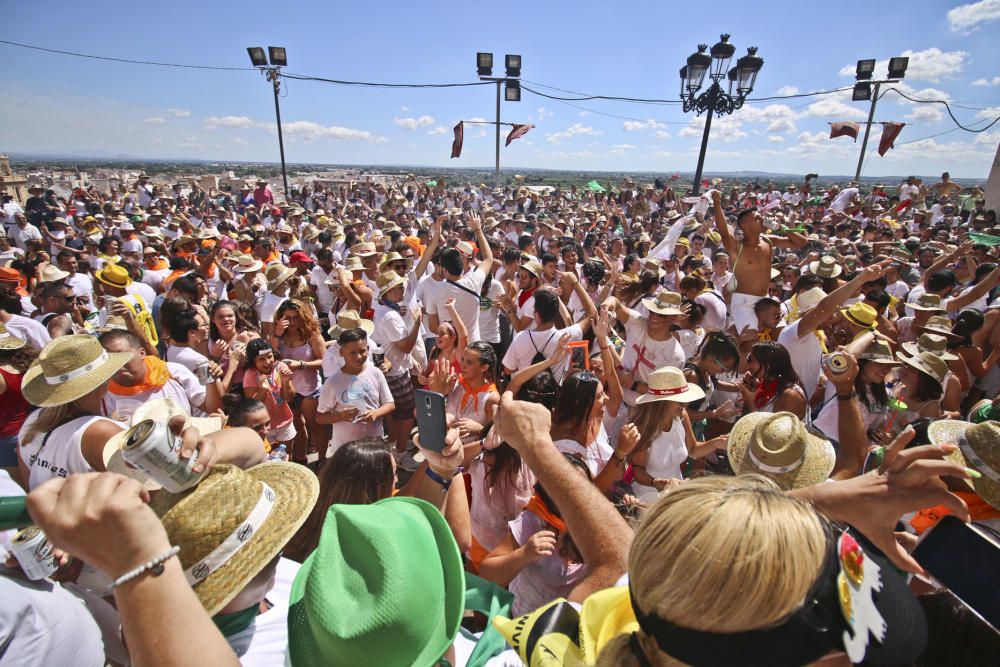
column 897, row 67
column 865, row 69
column 512, row 91
column 484, row 63
column 862, row 92
column 257, row 56
column 277, row 55
column 513, row 65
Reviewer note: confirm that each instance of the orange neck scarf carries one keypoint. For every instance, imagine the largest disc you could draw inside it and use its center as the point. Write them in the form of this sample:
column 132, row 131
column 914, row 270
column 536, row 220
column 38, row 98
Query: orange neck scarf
column 471, row 394
column 538, row 507
column 157, row 375
column 979, row 510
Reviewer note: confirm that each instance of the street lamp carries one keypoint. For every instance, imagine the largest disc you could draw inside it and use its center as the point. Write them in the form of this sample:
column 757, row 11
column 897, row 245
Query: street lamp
column 512, row 89
column 278, row 59
column 863, row 91
column 715, row 101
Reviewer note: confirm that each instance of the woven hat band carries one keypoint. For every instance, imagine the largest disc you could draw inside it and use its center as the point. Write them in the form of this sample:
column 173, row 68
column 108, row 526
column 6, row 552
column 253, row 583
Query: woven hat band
column 236, row 540
column 77, row 372
column 667, row 392
column 774, row 469
column 4, row 334
column 976, row 461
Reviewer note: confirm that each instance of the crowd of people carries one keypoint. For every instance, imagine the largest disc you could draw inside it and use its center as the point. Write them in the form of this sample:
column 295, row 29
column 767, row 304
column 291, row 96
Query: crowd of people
column 682, row 428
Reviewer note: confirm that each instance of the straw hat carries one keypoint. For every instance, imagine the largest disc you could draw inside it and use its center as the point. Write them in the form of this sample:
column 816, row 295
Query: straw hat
column 391, row 257
column 9, row 341
column 533, row 267
column 387, row 281
column 927, row 302
column 248, row 264
column 69, row 367
column 809, row 299
column 466, row 249
column 277, row 274
column 860, row 314
column 938, row 324
column 652, row 265
column 353, row 263
column 113, row 323
column 669, row 384
column 51, row 273
column 252, row 512
column 114, row 275
column 664, row 303
column 826, row 267
column 160, row 410
column 350, row 319
column 385, row 586
column 928, row 342
column 928, row 363
column 879, row 352
column 778, row 446
column 363, row 250
column 978, row 448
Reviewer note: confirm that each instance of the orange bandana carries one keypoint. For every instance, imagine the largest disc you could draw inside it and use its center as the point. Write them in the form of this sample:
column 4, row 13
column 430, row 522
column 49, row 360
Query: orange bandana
column 157, row 375
column 538, row 507
column 979, row 510
column 471, row 394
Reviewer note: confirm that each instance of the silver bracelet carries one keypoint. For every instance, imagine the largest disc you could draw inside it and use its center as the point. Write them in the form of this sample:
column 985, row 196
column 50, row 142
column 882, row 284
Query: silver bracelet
column 154, row 566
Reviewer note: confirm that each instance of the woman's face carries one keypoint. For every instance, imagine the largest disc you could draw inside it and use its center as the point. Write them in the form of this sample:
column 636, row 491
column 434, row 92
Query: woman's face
column 472, row 368
column 909, row 376
column 445, row 337
column 600, row 398
column 292, row 316
column 754, row 367
column 674, row 410
column 200, row 334
column 225, row 321
column 264, row 361
column 875, row 373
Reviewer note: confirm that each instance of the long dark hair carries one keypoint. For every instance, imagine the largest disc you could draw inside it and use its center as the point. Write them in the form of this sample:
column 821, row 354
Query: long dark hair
column 879, row 395
column 576, row 400
column 487, row 356
column 776, row 362
column 632, row 292
column 359, row 473
column 967, row 323
column 20, row 359
column 720, row 345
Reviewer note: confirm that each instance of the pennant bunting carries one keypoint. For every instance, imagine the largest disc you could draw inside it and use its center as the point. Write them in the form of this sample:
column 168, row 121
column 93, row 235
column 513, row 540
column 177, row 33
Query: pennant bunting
column 456, row 146
column 890, row 131
column 518, row 132
column 844, row 129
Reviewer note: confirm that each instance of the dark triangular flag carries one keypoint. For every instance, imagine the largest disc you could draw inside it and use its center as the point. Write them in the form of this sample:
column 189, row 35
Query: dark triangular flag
column 844, row 129
column 518, row 132
column 890, row 131
column 456, row 146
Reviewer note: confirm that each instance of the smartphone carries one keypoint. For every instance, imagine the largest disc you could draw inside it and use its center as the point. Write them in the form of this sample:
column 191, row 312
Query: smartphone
column 964, row 558
column 578, row 357
column 431, row 420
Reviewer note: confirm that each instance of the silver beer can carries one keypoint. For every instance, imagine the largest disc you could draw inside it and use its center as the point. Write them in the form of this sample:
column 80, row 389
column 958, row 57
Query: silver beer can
column 35, row 553
column 203, row 372
column 151, row 447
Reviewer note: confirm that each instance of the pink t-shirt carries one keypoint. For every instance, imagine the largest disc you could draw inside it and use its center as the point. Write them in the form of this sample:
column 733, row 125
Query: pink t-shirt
column 277, row 407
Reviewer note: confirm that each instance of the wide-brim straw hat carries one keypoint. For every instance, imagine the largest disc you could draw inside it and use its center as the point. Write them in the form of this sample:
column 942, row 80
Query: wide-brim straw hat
column 933, row 343
column 278, row 276
column 779, row 446
column 387, row 281
column 879, row 352
column 978, row 448
column 809, row 299
column 826, row 267
column 664, row 303
column 938, row 324
column 669, row 384
column 248, row 264
column 9, row 341
column 927, row 363
column 51, row 273
column 930, row 303
column 68, row 368
column 160, row 410
column 114, row 275
column 350, row 319
column 353, row 263
column 251, row 513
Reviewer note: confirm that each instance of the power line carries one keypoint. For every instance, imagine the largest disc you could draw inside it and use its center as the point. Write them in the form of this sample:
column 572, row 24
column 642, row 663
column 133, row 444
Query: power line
column 954, row 129
column 946, row 106
column 124, row 60
column 373, row 84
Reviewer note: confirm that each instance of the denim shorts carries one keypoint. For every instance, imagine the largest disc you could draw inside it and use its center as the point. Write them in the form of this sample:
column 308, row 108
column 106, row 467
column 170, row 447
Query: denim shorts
column 8, row 452
column 296, row 402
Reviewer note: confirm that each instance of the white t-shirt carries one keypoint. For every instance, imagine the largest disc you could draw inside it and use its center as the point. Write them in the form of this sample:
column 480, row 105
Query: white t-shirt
column 269, row 306
column 183, row 387
column 426, row 290
column 62, row 455
column 83, row 286
column 907, row 191
column 367, row 391
column 147, row 293
column 29, row 330
column 466, row 304
column 806, row 355
column 265, row 642
column 186, row 357
column 643, row 355
column 489, row 314
column 715, row 310
column 596, row 456
column 324, row 293
column 915, row 293
column 390, row 328
column 526, row 344
column 527, row 309
column 843, row 198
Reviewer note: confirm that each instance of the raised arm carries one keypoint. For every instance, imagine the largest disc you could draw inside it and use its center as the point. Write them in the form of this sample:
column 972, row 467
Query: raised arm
column 425, row 259
column 981, row 289
column 722, row 225
column 476, row 225
column 832, row 301
column 945, row 260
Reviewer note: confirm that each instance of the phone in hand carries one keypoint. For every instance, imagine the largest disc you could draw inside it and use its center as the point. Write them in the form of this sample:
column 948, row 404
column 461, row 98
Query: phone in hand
column 964, row 558
column 431, row 420
column 578, row 357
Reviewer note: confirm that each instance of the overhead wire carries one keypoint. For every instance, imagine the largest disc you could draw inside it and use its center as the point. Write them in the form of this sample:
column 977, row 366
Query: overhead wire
column 125, row 60
column 947, row 108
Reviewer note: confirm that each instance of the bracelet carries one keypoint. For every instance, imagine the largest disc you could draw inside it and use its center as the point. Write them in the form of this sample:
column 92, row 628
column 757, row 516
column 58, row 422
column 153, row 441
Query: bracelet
column 621, row 458
column 849, row 397
column 154, row 567
column 445, row 483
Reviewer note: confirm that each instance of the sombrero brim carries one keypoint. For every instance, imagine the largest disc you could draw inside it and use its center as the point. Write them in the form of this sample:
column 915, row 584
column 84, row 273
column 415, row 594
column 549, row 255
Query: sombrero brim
column 693, row 393
column 367, row 325
column 855, row 321
column 41, row 394
column 916, row 364
column 256, row 266
column 12, row 342
column 816, row 466
column 926, row 309
column 913, row 348
column 296, row 488
column 100, row 276
column 285, row 275
column 652, row 306
column 393, row 285
column 814, row 269
column 950, row 431
column 940, row 332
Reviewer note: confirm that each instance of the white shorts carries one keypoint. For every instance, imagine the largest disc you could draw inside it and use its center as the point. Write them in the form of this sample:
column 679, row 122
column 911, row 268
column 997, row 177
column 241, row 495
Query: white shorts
column 283, row 434
column 741, row 311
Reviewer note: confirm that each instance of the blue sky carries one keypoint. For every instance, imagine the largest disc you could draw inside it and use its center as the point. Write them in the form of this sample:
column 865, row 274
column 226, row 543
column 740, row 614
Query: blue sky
column 55, row 103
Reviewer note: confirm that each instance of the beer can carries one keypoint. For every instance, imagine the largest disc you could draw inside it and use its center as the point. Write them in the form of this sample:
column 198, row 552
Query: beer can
column 151, row 447
column 836, row 362
column 203, row 372
column 35, row 553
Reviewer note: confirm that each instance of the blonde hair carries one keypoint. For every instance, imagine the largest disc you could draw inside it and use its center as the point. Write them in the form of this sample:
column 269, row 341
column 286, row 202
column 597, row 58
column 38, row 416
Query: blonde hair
column 48, row 419
column 721, row 554
column 651, row 420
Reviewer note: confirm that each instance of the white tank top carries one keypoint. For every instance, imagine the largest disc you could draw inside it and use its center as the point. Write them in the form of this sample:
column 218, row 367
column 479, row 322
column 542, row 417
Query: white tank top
column 667, row 453
column 62, row 455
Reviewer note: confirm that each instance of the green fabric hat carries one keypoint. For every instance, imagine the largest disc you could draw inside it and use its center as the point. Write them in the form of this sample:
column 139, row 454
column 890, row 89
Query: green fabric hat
column 385, row 586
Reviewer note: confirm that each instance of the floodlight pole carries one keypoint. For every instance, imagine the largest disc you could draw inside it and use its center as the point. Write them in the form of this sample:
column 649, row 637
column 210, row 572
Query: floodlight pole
column 497, row 174
column 868, row 129
column 274, row 76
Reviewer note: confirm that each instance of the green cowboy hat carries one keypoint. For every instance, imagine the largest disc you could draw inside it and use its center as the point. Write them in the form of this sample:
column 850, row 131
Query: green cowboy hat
column 385, row 586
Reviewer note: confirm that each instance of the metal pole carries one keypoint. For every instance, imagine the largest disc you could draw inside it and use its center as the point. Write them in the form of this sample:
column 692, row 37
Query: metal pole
column 497, row 177
column 704, row 141
column 868, row 129
column 281, row 141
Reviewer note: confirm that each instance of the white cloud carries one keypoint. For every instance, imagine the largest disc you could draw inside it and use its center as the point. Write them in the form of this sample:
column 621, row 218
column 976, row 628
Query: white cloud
column 724, row 129
column 989, row 112
column 413, row 123
column 648, row 124
column 572, row 130
column 622, row 147
column 787, row 90
column 155, row 120
column 990, row 139
column 995, row 81
column 544, row 113
column 661, row 134
column 926, row 112
column 239, row 140
column 404, row 109
column 781, row 125
column 966, row 18
column 829, row 108
column 178, row 113
column 931, row 64
column 775, row 139
column 583, row 114
column 241, row 122
column 308, row 131
column 438, row 130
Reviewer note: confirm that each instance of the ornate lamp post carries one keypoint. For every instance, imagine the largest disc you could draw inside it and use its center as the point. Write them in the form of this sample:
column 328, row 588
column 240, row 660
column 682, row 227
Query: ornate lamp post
column 715, row 101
